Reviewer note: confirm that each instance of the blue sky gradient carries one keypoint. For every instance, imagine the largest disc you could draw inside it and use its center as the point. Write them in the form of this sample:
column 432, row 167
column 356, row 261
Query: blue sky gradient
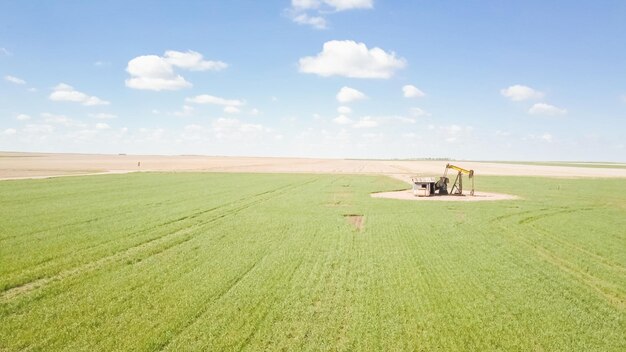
column 461, row 55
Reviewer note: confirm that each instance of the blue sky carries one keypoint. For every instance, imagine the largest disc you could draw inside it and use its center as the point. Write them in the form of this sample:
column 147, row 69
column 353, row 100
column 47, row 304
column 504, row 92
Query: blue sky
column 482, row 80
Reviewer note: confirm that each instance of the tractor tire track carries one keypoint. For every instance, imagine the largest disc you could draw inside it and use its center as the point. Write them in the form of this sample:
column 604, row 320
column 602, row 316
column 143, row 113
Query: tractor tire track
column 528, row 220
column 212, row 300
column 144, row 208
column 604, row 261
column 268, row 310
column 180, row 219
column 531, row 219
column 200, row 312
column 607, row 290
column 137, row 250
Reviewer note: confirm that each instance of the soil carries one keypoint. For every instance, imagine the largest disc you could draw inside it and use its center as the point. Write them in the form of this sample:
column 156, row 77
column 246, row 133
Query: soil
column 17, row 165
column 358, row 221
column 478, row 196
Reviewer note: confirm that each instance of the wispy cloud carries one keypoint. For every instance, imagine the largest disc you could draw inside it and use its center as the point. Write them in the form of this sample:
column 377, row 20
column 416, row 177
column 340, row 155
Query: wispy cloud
column 14, row 79
column 411, row 91
column 312, row 12
column 211, row 99
column 519, row 93
column 348, row 95
column 546, row 109
column 65, row 92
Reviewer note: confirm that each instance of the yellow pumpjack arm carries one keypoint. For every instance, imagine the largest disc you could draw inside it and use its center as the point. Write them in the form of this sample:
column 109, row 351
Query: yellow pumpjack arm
column 461, row 170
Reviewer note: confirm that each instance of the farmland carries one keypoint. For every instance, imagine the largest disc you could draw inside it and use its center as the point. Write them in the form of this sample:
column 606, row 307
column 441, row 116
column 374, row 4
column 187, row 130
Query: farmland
column 225, row 261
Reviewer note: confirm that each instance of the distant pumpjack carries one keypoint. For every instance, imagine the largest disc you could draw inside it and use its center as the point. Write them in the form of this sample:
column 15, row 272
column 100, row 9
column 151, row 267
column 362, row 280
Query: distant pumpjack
column 457, row 186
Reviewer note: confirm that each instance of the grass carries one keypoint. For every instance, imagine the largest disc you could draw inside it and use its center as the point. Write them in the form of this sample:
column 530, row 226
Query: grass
column 269, row 262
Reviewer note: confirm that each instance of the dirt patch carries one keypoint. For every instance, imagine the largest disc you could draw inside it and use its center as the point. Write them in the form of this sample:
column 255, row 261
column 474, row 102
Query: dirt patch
column 477, row 197
column 358, row 221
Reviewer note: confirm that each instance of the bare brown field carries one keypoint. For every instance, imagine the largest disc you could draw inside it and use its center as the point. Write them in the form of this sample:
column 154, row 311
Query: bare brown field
column 16, row 165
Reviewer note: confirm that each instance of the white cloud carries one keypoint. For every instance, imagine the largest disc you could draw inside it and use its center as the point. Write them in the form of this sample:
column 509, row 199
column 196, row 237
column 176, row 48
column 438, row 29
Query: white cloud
column 102, row 126
column 336, row 5
column 347, row 95
column 411, row 91
column 144, row 136
column 194, row 128
column 453, row 133
column 351, row 59
column 519, row 93
column 61, row 120
column 452, row 129
column 255, row 112
column 234, row 128
column 185, row 111
column 23, row 117
column 500, row 133
column 417, row 112
column 5, row 52
column 225, row 124
column 226, row 129
column 103, row 116
column 210, row 99
column 545, row 137
column 193, row 61
column 101, row 63
column 546, row 109
column 305, row 4
column 300, row 11
column 152, row 72
column 371, row 135
column 402, row 119
column 9, row 132
column 38, row 129
column 194, row 132
column 342, row 5
column 342, row 120
column 65, row 92
column 14, row 79
column 231, row 110
column 313, row 21
column 372, row 121
column 366, row 122
column 344, row 110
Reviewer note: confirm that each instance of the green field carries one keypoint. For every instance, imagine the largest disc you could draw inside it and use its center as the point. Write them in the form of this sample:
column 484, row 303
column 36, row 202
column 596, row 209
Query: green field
column 269, row 262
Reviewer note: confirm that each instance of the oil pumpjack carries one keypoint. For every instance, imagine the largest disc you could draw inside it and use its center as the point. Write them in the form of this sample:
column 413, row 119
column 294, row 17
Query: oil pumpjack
column 429, row 186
